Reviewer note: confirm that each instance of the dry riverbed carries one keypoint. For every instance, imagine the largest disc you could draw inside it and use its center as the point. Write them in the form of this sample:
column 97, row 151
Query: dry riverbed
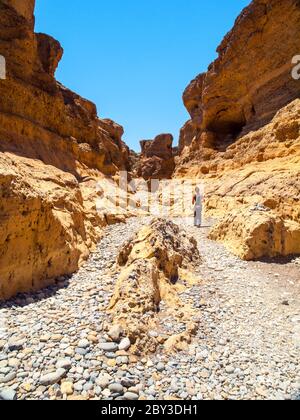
column 53, row 344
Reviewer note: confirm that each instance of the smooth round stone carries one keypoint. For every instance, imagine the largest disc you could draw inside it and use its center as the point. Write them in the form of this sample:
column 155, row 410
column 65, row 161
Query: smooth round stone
column 83, row 344
column 125, row 344
column 16, row 345
column 3, row 363
column 53, row 378
column 109, row 347
column 8, row 378
column 116, row 388
column 230, row 370
column 64, row 364
column 110, row 355
column 127, row 382
column 131, row 396
column 8, row 394
column 81, row 352
column 103, row 381
column 160, row 367
column 88, row 386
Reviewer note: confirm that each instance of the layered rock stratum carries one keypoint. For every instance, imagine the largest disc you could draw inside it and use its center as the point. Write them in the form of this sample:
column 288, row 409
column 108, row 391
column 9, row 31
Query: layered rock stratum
column 52, row 145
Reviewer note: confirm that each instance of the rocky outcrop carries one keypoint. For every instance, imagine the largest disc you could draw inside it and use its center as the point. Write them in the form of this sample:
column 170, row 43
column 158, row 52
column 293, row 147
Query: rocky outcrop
column 41, row 119
column 46, row 229
column 261, row 167
column 157, row 158
column 24, row 8
column 243, row 138
column 52, row 147
column 257, row 232
column 151, row 266
column 251, row 78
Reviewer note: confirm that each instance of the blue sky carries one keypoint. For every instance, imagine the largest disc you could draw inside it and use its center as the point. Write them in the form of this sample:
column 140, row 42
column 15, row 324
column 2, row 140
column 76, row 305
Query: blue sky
column 134, row 58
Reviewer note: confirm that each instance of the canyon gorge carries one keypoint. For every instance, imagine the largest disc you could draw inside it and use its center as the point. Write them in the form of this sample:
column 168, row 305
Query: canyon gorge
column 126, row 277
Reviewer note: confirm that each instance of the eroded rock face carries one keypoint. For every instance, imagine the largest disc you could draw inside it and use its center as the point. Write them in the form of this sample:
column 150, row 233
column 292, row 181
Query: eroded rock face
column 261, row 167
column 151, row 276
column 251, row 79
column 46, row 230
column 257, row 232
column 53, row 149
column 41, row 119
column 157, row 158
column 243, row 139
column 24, row 8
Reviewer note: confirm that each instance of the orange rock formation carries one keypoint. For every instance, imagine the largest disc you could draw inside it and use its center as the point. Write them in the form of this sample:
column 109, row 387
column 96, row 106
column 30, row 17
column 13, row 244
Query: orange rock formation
column 51, row 144
column 154, row 268
column 243, row 138
column 157, row 158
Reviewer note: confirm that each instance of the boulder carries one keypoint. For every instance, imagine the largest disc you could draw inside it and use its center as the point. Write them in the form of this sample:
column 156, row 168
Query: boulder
column 152, row 268
column 156, row 159
column 257, row 232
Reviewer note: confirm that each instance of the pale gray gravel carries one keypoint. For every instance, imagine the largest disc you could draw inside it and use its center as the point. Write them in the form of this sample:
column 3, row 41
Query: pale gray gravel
column 247, row 346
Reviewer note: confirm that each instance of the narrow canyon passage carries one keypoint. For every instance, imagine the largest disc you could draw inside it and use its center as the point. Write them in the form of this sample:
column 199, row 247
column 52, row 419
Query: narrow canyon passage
column 246, row 347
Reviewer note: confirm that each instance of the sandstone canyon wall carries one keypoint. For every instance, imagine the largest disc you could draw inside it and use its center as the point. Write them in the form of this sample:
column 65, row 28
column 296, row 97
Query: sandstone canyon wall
column 243, row 138
column 251, row 78
column 52, row 144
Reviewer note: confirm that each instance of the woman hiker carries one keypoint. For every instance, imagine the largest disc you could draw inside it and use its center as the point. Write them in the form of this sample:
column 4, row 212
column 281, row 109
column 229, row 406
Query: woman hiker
column 198, row 206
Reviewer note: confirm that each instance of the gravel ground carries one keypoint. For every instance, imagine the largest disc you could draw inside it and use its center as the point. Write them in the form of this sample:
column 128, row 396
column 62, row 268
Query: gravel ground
column 53, row 346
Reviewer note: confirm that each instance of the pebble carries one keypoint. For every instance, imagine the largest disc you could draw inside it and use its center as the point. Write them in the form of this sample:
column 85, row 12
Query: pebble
column 8, row 378
column 160, row 367
column 83, row 344
column 16, row 345
column 109, row 347
column 8, row 394
column 103, row 381
column 64, row 364
column 115, row 332
column 246, row 346
column 53, row 378
column 131, row 396
column 116, row 388
column 125, row 344
column 67, row 388
column 230, row 370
